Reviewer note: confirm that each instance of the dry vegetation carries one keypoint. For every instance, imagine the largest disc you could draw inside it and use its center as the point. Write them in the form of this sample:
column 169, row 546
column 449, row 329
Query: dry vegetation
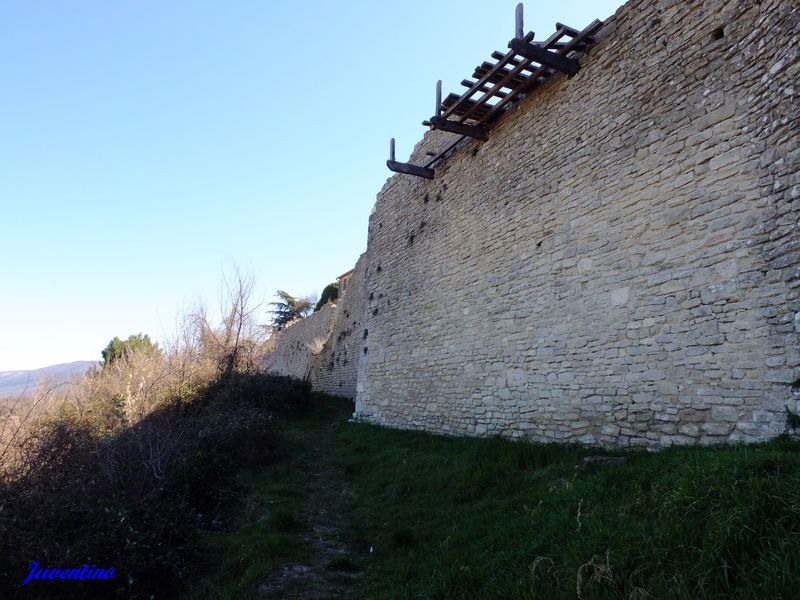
column 120, row 468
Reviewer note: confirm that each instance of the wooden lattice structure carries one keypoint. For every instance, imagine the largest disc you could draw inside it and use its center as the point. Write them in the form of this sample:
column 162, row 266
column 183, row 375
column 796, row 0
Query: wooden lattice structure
column 496, row 85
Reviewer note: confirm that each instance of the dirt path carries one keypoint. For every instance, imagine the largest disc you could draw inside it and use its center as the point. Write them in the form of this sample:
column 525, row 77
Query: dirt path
column 329, row 571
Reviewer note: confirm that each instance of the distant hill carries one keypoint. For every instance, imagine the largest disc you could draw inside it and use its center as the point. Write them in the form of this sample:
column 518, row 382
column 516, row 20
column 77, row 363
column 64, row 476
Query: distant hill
column 17, row 383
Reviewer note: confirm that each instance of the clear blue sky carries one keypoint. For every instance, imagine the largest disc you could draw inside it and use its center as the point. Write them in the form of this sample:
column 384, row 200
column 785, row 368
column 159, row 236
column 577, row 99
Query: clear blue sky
column 146, row 147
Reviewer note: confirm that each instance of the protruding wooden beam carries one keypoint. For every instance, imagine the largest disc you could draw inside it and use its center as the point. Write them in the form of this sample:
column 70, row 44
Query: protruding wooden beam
column 439, row 98
column 518, row 22
column 558, row 62
column 473, row 131
column 408, row 169
column 571, row 32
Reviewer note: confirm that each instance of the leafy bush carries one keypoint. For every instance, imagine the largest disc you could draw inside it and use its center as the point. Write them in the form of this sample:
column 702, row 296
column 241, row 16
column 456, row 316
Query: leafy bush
column 329, row 294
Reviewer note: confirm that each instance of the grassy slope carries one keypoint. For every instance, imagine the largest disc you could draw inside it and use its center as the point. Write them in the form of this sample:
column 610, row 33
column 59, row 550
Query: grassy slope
column 435, row 517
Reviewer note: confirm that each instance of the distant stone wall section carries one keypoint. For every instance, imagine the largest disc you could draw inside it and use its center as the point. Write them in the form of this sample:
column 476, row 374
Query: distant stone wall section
column 323, row 347
column 299, row 342
column 336, row 367
column 619, row 263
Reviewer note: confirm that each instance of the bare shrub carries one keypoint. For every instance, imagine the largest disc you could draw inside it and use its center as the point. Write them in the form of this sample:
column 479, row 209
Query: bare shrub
column 237, row 343
column 595, row 571
column 128, row 460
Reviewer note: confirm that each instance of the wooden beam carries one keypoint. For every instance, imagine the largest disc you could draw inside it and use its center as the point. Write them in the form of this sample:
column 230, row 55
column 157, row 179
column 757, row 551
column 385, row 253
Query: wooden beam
column 481, row 81
column 443, row 154
column 483, row 88
column 457, row 106
column 473, row 131
column 518, row 22
column 571, row 32
column 515, row 61
column 408, row 169
column 498, row 75
column 545, row 57
column 571, row 45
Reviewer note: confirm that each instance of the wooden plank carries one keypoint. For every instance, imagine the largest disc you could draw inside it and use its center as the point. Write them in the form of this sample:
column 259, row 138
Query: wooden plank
column 482, row 80
column 545, row 57
column 443, row 154
column 571, row 45
column 499, row 75
column 408, row 169
column 451, row 99
column 508, row 77
column 568, row 30
column 483, row 88
column 473, row 131
column 516, row 61
column 462, row 106
column 454, row 99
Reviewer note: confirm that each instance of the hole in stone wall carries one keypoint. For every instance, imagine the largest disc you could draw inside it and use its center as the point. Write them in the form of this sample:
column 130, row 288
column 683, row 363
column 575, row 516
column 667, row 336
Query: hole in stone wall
column 538, row 244
column 375, row 312
column 371, row 295
column 365, row 349
column 438, row 197
column 379, row 269
column 366, row 333
column 410, row 239
column 475, row 151
column 380, row 225
column 718, row 33
column 796, row 387
column 422, row 225
column 425, row 198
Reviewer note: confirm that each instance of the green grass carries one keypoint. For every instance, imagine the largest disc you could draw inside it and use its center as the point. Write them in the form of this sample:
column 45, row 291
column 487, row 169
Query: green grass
column 264, row 536
column 267, row 525
column 454, row 518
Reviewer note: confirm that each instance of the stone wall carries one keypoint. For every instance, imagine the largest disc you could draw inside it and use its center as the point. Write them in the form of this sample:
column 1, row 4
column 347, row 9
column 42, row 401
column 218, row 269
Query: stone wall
column 323, row 348
column 620, row 262
column 335, row 369
column 298, row 343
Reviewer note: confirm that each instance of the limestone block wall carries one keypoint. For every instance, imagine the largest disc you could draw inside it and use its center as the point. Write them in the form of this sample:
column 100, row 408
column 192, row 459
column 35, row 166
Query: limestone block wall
column 297, row 344
column 335, row 368
column 620, row 262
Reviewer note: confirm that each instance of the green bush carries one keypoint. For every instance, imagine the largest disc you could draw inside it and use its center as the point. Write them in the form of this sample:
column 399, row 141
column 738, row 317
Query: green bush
column 329, row 294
